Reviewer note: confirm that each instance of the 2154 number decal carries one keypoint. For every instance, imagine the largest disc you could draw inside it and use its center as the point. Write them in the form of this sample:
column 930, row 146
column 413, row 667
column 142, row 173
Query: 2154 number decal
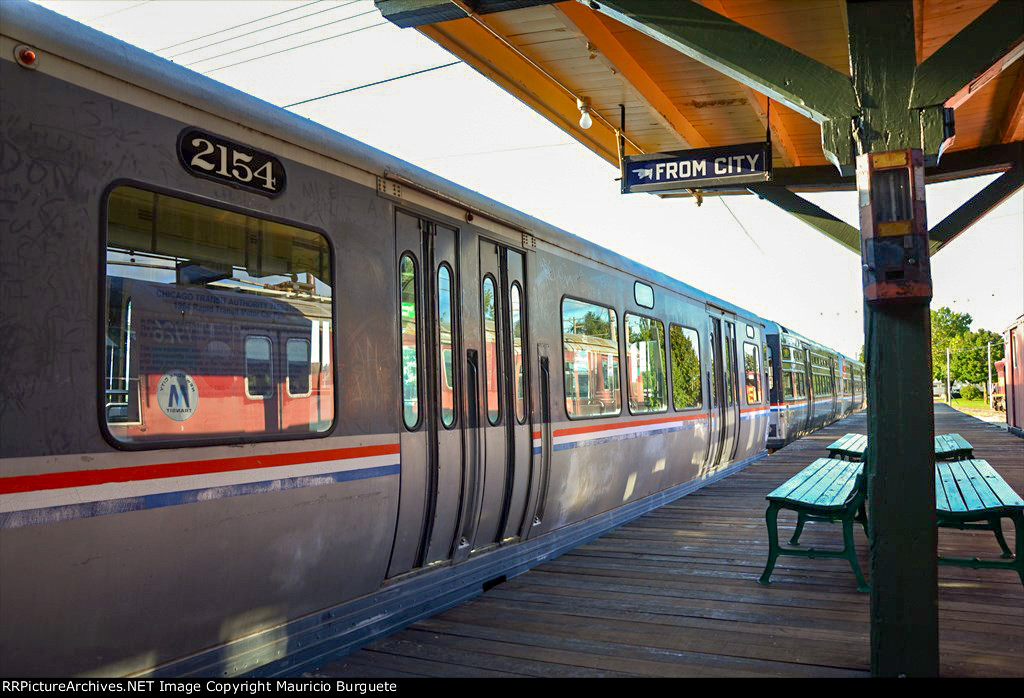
column 215, row 158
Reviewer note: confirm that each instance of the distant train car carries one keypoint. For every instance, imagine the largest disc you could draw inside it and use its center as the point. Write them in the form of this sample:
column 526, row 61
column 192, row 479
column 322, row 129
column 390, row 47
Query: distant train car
column 1012, row 376
column 810, row 385
column 269, row 393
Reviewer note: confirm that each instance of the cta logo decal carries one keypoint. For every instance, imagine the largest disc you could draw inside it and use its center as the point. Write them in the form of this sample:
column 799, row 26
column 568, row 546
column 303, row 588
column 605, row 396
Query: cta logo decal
column 177, row 395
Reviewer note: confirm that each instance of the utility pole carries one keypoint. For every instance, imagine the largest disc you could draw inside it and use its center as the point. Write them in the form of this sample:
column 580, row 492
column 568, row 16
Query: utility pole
column 949, row 397
column 988, row 376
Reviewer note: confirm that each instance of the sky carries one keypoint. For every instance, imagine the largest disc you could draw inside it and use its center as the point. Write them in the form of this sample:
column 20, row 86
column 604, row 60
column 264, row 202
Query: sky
column 456, row 123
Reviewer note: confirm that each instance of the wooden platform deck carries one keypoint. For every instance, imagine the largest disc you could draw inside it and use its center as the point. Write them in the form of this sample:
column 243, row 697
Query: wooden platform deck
column 674, row 594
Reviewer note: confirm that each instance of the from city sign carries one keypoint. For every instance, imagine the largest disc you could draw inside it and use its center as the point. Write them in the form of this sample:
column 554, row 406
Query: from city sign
column 699, row 168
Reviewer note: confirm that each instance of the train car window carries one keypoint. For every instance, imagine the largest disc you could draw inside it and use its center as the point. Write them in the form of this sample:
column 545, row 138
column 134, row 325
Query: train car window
column 444, row 328
column 205, row 309
column 259, row 371
column 685, row 356
column 491, row 374
column 643, row 294
column 297, row 353
column 409, row 290
column 518, row 366
column 645, row 365
column 590, row 346
column 752, row 371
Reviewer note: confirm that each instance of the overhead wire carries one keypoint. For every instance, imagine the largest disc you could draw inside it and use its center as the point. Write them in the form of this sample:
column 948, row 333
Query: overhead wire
column 742, row 227
column 120, row 10
column 371, row 84
column 272, row 26
column 285, row 36
column 292, row 48
column 237, row 26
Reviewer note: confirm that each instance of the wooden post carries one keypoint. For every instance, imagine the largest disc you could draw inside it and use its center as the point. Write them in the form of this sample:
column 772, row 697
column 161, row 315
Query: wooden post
column 900, row 459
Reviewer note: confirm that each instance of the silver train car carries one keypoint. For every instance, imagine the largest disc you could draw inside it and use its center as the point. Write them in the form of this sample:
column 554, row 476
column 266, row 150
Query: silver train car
column 269, row 393
column 810, row 385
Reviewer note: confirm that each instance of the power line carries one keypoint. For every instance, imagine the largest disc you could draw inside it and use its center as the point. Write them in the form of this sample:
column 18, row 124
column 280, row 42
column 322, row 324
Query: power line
column 370, row 84
column 118, row 11
column 742, row 227
column 278, row 38
column 237, row 26
column 257, row 31
column 292, row 48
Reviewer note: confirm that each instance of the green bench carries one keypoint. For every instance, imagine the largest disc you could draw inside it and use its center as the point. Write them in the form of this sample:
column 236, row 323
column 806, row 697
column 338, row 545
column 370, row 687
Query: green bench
column 827, row 490
column 947, row 447
column 953, row 447
column 971, row 495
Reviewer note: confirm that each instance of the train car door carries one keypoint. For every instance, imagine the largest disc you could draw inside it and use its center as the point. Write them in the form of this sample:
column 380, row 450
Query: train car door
column 724, row 402
column 432, row 437
column 507, row 445
column 811, row 392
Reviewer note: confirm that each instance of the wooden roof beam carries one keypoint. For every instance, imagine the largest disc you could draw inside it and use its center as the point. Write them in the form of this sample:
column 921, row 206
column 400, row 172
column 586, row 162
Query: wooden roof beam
column 968, row 61
column 595, row 29
column 801, row 83
column 811, row 214
column 416, row 13
column 470, row 40
column 975, row 208
column 1014, row 110
column 781, row 141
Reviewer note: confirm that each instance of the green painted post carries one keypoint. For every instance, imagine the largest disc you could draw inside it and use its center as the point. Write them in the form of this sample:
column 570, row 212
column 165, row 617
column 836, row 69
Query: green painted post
column 900, row 454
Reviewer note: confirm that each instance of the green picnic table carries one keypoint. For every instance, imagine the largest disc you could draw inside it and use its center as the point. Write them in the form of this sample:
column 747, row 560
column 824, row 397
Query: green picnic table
column 969, row 495
column 826, row 490
column 947, row 447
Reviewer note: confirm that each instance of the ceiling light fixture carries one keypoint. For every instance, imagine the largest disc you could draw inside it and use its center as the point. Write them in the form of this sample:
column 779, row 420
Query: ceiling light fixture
column 583, row 104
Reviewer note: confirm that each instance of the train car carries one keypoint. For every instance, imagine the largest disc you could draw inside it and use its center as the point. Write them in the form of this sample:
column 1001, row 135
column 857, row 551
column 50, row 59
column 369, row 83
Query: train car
column 810, row 385
column 269, row 393
column 1012, row 376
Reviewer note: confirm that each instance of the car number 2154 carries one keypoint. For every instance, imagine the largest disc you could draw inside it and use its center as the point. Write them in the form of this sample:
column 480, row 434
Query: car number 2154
column 215, row 158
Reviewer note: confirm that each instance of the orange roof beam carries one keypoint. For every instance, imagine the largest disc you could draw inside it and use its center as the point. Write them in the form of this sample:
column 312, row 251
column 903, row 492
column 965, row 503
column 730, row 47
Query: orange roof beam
column 595, row 29
column 1014, row 110
column 516, row 74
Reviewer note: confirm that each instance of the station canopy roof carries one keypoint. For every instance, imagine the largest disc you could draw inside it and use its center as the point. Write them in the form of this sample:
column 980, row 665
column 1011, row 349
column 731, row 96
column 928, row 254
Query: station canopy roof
column 679, row 94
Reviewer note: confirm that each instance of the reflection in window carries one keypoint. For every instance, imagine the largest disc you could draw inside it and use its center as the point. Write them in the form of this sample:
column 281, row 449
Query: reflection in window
column 410, row 364
column 645, row 353
column 297, row 353
column 491, row 376
column 590, row 344
column 752, row 373
column 444, row 328
column 259, row 372
column 206, row 314
column 518, row 365
column 686, row 382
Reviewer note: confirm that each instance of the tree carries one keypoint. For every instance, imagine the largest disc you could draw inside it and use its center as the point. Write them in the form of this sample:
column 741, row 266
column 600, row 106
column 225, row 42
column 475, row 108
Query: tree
column 947, row 325
column 970, row 356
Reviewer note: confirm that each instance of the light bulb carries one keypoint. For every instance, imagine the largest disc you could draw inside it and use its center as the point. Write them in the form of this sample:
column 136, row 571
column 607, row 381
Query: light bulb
column 583, row 104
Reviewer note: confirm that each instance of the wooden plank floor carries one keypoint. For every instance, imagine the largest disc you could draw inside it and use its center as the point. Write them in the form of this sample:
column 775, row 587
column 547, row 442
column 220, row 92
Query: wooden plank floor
column 674, row 594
